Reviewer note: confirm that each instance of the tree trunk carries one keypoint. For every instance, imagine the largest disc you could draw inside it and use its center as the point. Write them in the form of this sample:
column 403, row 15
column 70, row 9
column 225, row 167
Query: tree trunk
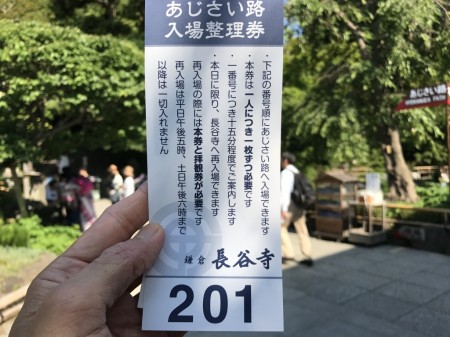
column 401, row 183
column 111, row 12
column 110, row 8
column 18, row 192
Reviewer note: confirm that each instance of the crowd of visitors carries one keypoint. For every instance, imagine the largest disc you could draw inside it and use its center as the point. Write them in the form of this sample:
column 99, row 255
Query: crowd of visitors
column 71, row 193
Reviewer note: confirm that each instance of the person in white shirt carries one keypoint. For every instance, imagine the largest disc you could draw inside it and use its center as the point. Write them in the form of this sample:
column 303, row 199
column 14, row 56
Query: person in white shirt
column 128, row 183
column 291, row 213
column 115, row 183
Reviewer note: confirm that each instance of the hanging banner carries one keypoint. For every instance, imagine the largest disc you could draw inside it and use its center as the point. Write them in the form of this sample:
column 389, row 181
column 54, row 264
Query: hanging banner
column 213, row 101
column 426, row 97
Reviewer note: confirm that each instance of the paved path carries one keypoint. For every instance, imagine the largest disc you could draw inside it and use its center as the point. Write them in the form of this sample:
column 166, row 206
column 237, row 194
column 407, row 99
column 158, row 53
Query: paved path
column 100, row 205
column 383, row 291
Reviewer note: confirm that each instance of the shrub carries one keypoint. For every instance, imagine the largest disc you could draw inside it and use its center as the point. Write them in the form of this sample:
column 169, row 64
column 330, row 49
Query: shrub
column 13, row 236
column 29, row 232
column 433, row 195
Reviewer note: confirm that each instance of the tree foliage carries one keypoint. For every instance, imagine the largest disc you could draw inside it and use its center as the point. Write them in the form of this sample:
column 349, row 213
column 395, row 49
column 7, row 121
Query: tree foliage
column 360, row 57
column 116, row 17
column 36, row 10
column 62, row 90
column 329, row 131
column 120, row 18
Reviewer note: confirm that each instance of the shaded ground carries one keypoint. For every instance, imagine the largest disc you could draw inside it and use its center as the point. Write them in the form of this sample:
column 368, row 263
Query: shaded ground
column 18, row 266
column 383, row 291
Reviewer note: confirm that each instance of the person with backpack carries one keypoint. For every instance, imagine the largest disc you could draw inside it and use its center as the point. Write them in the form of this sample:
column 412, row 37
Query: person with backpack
column 295, row 195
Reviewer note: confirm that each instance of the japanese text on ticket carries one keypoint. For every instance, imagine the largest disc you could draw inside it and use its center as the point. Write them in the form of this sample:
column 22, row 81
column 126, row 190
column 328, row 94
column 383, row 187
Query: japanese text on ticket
column 213, row 101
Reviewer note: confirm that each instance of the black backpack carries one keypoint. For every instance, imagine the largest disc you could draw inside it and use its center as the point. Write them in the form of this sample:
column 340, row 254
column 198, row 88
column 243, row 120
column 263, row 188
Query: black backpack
column 303, row 195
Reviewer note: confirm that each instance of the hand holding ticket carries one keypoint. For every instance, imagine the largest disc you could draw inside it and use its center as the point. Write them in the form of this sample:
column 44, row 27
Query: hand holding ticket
column 213, row 89
column 84, row 292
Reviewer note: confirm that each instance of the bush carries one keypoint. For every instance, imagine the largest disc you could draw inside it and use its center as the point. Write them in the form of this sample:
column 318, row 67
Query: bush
column 29, row 232
column 13, row 236
column 433, row 195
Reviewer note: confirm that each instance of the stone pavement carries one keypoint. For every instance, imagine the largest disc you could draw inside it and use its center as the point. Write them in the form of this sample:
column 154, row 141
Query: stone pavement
column 354, row 291
column 100, row 205
column 382, row 291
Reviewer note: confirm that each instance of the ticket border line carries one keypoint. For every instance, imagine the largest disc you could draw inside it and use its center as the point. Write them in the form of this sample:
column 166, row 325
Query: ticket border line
column 217, row 277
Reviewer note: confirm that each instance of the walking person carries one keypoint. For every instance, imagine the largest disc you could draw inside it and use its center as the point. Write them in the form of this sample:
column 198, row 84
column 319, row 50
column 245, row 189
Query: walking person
column 115, row 183
column 292, row 213
column 69, row 197
column 128, row 183
column 86, row 199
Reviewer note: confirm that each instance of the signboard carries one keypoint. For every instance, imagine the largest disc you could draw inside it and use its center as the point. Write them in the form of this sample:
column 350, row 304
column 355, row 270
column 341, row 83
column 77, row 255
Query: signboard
column 373, row 182
column 426, row 97
column 213, row 101
column 429, row 97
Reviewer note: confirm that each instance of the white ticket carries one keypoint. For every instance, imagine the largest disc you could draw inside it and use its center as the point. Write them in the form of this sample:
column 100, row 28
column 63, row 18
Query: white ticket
column 213, row 101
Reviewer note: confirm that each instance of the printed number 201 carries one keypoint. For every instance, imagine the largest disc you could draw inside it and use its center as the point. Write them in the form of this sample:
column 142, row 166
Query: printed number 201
column 175, row 315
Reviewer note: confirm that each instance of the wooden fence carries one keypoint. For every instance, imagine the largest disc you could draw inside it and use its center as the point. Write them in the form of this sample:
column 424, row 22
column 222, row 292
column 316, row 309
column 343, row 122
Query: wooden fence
column 385, row 221
column 11, row 304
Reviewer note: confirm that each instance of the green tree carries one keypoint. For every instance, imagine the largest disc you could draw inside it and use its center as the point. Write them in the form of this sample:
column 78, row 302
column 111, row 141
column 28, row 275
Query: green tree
column 323, row 134
column 117, row 17
column 61, row 89
column 362, row 56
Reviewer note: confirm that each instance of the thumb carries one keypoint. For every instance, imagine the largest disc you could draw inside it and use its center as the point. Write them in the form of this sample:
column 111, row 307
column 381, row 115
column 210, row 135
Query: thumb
column 109, row 276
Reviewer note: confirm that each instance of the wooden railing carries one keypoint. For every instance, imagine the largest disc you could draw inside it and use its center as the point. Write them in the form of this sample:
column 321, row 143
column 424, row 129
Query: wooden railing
column 11, row 304
column 384, row 220
column 426, row 172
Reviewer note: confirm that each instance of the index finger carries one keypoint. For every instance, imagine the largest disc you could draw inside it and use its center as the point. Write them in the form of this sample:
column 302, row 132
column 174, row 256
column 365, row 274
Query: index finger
column 118, row 223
